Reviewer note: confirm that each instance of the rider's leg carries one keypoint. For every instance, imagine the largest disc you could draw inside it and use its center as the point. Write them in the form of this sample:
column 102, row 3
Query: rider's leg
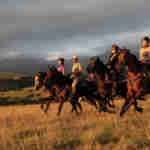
column 75, row 81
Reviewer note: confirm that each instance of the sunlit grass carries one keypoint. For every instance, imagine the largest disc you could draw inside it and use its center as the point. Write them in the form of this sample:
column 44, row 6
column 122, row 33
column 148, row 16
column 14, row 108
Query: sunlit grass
column 27, row 127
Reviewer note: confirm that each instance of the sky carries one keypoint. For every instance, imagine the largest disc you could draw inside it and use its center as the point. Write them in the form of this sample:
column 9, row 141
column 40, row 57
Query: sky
column 48, row 29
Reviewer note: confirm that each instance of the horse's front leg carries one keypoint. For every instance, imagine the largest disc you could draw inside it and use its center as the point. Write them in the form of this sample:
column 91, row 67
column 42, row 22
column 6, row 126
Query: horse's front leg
column 91, row 100
column 129, row 99
column 137, row 108
column 102, row 105
column 47, row 106
column 137, row 92
column 128, row 102
column 42, row 106
column 61, row 100
column 74, row 101
column 45, row 100
column 111, row 98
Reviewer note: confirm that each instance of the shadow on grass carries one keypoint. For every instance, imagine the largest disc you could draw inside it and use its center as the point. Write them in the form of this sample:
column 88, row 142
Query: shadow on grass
column 10, row 102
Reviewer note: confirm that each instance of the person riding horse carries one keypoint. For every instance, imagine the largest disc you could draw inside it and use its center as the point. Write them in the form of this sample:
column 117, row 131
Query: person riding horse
column 113, row 61
column 89, row 69
column 76, row 73
column 60, row 67
column 144, row 55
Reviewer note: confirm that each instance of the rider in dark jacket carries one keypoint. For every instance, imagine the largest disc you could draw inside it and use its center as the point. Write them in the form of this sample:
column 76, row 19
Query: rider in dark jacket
column 113, row 57
column 112, row 63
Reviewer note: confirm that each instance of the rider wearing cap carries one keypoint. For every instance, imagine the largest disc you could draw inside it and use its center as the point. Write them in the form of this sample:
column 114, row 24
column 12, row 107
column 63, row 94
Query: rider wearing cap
column 144, row 53
column 76, row 72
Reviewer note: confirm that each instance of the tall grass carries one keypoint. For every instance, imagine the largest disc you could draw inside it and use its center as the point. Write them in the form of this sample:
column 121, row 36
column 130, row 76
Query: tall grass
column 25, row 127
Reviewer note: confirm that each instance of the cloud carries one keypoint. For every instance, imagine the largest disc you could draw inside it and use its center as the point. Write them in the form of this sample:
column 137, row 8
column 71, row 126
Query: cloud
column 49, row 29
column 68, row 53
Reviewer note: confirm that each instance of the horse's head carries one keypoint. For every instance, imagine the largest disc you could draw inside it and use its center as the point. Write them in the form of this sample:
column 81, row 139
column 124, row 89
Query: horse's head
column 38, row 79
column 52, row 77
column 54, row 72
column 100, row 69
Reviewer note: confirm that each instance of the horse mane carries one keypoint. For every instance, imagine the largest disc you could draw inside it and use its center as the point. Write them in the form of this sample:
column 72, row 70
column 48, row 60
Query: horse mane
column 131, row 56
column 132, row 61
column 100, row 68
column 58, row 78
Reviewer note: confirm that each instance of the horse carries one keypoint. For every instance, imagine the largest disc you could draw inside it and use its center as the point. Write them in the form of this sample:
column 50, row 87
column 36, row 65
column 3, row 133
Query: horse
column 105, row 86
column 137, row 83
column 117, row 74
column 58, row 88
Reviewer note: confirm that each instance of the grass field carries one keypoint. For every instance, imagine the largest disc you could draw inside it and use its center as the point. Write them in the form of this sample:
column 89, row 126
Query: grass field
column 26, row 127
column 23, row 126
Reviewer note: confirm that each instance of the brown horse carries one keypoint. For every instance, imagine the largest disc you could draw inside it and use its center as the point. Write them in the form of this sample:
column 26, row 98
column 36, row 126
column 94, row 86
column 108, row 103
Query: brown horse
column 105, row 87
column 137, row 83
column 58, row 87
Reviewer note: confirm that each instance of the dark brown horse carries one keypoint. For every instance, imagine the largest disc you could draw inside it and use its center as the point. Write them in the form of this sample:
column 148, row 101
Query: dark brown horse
column 137, row 83
column 58, row 88
column 106, row 88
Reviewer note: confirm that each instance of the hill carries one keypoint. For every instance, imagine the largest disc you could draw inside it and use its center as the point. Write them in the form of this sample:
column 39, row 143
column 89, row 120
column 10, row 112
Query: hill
column 13, row 75
column 33, row 65
column 15, row 80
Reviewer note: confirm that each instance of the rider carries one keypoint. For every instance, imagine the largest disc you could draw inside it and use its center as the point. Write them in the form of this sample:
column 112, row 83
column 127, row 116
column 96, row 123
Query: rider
column 112, row 61
column 76, row 73
column 90, row 70
column 144, row 54
column 113, row 56
column 61, row 65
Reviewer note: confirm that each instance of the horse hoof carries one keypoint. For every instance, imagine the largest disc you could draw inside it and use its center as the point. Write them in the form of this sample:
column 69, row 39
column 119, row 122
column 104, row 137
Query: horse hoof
column 140, row 110
column 121, row 114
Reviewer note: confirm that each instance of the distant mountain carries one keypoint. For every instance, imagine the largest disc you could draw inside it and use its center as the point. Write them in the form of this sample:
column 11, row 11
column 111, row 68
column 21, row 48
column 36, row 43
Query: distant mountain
column 33, row 65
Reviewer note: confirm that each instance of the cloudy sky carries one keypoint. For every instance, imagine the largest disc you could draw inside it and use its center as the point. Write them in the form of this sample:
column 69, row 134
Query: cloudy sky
column 47, row 29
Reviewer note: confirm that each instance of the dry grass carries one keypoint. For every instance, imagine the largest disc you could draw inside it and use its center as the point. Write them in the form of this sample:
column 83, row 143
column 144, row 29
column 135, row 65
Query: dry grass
column 25, row 127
